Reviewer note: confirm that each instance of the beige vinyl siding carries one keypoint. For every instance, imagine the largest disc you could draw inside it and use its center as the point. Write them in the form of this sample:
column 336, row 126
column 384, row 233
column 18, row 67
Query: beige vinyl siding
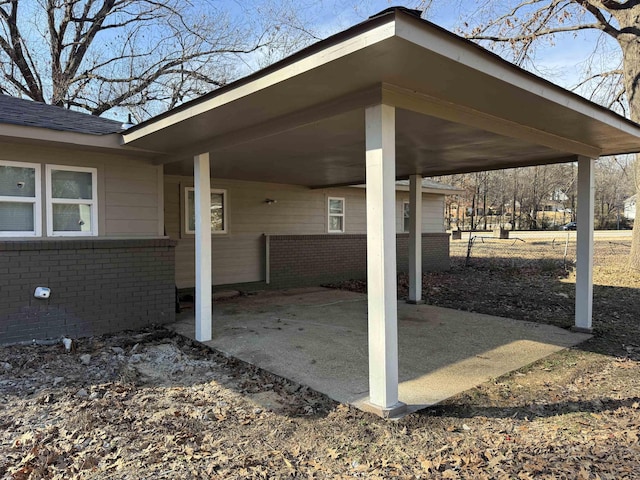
column 432, row 212
column 129, row 188
column 239, row 255
column 127, row 181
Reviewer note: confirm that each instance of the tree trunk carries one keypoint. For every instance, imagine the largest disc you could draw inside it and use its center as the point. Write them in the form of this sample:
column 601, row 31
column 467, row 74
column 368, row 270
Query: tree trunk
column 484, row 207
column 634, row 257
column 515, row 192
column 630, row 45
column 473, row 209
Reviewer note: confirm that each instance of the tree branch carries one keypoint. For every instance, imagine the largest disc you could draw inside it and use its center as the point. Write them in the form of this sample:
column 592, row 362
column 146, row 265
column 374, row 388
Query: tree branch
column 540, row 33
column 13, row 48
column 597, row 75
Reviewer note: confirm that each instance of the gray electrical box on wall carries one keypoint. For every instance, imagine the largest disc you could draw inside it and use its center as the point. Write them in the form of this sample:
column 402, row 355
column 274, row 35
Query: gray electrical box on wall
column 42, row 292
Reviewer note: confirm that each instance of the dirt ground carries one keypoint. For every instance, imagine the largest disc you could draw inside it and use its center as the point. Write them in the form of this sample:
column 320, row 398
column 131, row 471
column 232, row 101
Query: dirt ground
column 150, row 404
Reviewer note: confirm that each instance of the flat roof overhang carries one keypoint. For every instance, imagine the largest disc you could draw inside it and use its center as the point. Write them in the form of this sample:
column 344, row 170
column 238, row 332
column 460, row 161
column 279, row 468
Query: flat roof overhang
column 459, row 108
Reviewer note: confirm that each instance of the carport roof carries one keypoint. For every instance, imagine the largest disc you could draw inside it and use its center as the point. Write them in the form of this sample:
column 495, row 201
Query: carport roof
column 459, row 108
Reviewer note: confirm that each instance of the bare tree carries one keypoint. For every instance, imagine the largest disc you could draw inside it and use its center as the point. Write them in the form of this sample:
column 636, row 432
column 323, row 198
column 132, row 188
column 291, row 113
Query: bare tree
column 145, row 55
column 613, row 186
column 519, row 27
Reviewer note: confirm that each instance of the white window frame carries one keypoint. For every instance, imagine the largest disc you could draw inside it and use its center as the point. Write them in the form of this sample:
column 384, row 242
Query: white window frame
column 93, row 202
column 225, row 211
column 343, row 215
column 36, row 201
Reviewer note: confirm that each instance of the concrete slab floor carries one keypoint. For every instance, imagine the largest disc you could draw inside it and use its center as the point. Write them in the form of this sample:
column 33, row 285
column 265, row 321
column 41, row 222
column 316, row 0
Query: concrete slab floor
column 318, row 337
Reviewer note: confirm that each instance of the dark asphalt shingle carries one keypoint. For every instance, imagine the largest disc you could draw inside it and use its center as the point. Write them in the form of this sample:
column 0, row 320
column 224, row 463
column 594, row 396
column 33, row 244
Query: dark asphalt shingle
column 17, row 111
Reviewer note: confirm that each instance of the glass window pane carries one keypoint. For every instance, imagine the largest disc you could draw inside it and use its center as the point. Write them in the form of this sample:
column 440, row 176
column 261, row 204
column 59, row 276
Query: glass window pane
column 335, row 223
column 191, row 211
column 75, row 185
column 16, row 217
column 71, row 218
column 405, row 217
column 217, row 212
column 17, row 181
column 336, row 206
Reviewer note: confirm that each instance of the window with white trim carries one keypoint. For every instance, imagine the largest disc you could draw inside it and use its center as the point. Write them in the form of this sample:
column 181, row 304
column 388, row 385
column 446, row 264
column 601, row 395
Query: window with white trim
column 405, row 217
column 19, row 199
column 218, row 211
column 71, row 196
column 335, row 210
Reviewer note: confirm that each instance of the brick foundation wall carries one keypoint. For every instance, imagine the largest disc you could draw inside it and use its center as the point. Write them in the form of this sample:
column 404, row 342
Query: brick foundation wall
column 97, row 286
column 297, row 260
column 435, row 252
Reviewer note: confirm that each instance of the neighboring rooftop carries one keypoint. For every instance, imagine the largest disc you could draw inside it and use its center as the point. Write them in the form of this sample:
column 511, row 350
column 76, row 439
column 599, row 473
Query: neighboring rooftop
column 428, row 186
column 432, row 184
column 17, row 111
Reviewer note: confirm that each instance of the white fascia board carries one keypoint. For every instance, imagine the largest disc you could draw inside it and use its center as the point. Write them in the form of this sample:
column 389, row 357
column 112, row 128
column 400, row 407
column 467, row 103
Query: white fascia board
column 473, row 56
column 111, row 143
column 305, row 64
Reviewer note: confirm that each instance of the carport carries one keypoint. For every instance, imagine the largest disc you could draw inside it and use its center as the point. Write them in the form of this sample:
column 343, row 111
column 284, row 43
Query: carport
column 394, row 97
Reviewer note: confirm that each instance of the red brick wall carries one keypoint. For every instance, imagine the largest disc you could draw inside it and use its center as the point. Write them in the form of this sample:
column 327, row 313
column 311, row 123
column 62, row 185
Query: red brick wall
column 296, row 260
column 97, row 286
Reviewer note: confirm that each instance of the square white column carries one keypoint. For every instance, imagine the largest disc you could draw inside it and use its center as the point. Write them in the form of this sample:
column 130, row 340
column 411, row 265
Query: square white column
column 584, row 247
column 381, row 261
column 415, row 239
column 202, row 194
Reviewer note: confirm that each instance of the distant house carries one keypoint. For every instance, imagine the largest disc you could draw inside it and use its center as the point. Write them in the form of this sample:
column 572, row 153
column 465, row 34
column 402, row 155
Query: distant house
column 630, row 207
column 111, row 234
column 556, row 202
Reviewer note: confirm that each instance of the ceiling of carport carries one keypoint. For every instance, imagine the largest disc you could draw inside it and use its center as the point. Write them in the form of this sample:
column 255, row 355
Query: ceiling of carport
column 331, row 152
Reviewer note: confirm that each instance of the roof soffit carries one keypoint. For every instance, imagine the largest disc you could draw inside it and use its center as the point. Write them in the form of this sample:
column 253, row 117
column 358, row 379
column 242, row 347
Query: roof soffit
column 458, row 113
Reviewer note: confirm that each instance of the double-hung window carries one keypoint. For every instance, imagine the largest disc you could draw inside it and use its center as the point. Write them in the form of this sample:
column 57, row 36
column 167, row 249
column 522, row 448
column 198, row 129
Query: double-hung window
column 218, row 211
column 71, row 201
column 19, row 199
column 336, row 215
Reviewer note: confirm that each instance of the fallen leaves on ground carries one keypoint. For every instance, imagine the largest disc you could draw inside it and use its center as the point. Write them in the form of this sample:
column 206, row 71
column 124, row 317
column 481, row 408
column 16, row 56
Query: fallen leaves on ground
column 151, row 404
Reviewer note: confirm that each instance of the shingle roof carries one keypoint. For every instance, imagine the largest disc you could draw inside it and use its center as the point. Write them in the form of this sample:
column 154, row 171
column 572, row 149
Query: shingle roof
column 17, row 111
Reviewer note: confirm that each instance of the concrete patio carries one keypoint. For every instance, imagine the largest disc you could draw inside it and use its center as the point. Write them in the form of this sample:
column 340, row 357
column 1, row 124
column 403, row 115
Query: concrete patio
column 318, row 337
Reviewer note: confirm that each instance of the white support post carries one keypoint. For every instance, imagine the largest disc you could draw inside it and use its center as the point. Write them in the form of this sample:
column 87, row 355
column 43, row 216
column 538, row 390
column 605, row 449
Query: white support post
column 415, row 239
column 381, row 261
column 584, row 247
column 202, row 194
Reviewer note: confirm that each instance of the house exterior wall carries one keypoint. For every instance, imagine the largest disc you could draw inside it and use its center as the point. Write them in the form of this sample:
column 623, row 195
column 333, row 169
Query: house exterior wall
column 297, row 260
column 97, row 286
column 122, row 278
column 129, row 190
column 239, row 256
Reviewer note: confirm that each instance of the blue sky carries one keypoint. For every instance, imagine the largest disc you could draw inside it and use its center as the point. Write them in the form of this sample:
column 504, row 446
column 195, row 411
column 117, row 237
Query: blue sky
column 563, row 62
